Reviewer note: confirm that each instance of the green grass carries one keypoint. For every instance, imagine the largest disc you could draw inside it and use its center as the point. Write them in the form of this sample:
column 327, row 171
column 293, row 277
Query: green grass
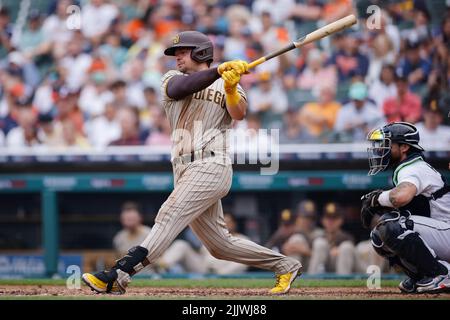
column 214, row 283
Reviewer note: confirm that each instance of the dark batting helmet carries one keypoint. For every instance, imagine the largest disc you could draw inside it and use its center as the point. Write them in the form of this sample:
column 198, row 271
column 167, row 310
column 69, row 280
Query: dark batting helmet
column 202, row 47
column 382, row 139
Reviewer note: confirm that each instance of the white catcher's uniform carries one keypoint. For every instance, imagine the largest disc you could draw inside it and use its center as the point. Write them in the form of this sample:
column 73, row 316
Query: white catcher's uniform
column 435, row 229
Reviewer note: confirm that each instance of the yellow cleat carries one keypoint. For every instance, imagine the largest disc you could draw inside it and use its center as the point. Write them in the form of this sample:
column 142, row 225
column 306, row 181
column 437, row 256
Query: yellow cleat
column 284, row 281
column 100, row 284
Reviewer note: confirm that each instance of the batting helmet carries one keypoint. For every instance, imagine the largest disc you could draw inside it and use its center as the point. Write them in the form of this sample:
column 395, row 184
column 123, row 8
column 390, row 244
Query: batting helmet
column 382, row 139
column 202, row 47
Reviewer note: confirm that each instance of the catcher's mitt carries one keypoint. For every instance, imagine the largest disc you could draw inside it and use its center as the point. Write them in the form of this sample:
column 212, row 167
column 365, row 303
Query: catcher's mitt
column 370, row 207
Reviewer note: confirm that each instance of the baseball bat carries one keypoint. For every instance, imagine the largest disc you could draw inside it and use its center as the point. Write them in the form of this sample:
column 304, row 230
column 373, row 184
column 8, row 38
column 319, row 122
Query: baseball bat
column 320, row 33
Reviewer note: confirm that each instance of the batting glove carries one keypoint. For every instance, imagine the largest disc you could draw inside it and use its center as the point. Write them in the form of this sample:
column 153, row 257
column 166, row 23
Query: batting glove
column 240, row 66
column 231, row 79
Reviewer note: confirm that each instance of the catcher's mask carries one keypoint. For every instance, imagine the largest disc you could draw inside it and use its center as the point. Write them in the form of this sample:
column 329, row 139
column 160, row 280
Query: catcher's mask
column 381, row 139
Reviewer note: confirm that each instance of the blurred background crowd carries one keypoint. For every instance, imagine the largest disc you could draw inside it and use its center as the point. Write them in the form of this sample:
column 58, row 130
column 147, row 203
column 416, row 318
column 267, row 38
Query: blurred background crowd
column 95, row 81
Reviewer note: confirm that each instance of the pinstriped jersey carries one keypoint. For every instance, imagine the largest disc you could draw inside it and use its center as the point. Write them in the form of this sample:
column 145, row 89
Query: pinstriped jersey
column 199, row 121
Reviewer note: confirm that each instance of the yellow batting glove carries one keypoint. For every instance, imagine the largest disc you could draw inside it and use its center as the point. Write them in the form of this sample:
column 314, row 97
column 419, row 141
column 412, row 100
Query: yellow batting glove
column 231, row 79
column 239, row 66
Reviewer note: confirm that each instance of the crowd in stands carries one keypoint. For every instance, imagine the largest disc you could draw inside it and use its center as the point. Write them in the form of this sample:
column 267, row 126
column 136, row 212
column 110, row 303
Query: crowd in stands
column 99, row 85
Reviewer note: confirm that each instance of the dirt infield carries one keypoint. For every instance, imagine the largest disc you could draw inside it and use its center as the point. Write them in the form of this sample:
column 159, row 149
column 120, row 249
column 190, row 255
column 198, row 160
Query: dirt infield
column 351, row 293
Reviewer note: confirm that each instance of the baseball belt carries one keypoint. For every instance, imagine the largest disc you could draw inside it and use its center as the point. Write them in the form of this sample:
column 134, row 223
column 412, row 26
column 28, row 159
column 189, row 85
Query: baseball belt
column 194, row 155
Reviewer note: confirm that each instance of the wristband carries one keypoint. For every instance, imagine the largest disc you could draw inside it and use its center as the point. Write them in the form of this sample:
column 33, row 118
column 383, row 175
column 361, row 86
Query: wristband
column 383, row 199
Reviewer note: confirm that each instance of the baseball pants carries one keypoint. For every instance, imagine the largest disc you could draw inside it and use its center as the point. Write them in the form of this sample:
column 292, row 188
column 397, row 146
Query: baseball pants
column 195, row 202
column 435, row 234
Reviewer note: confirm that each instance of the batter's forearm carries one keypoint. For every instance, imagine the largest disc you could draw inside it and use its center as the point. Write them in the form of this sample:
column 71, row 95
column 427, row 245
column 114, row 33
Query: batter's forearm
column 180, row 86
column 237, row 110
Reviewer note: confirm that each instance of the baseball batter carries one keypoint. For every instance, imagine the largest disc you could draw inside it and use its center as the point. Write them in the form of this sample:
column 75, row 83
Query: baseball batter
column 200, row 103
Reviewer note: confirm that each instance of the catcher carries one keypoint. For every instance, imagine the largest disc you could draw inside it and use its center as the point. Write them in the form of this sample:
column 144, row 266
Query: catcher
column 200, row 102
column 411, row 222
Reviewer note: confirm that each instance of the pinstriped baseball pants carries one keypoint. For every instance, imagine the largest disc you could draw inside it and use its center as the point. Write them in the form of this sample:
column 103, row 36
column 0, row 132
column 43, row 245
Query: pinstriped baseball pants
column 195, row 202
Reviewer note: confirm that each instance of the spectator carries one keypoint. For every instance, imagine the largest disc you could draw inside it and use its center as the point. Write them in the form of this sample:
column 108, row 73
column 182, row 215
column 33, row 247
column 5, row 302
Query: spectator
column 421, row 19
column 55, row 28
column 306, row 231
column 129, row 126
column 292, row 130
column 358, row 117
column 160, row 134
column 406, row 106
column 153, row 107
column 133, row 231
column 335, row 251
column 119, row 90
column 235, row 43
column 67, row 108
column 75, row 62
column 319, row 117
column 382, row 52
column 13, row 92
column 350, row 61
column 279, row 10
column 309, row 10
column 104, row 129
column 133, row 74
column 6, row 30
column 113, row 51
column 267, row 99
column 44, row 97
column 32, row 38
column 336, row 9
column 19, row 66
column 315, row 74
column 25, row 135
column 433, row 134
column 96, row 18
column 95, row 95
column 285, row 230
column 383, row 87
column 272, row 37
column 72, row 137
column 415, row 68
column 50, row 133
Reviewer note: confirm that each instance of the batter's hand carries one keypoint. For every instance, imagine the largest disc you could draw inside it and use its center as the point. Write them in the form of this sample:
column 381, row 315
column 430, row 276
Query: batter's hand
column 231, row 79
column 240, row 66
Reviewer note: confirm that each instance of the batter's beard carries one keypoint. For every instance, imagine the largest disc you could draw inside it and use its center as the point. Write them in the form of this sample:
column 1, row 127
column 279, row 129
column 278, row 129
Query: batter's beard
column 182, row 69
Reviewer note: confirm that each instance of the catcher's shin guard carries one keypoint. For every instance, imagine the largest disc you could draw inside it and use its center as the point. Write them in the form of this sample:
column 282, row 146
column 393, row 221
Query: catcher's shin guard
column 398, row 237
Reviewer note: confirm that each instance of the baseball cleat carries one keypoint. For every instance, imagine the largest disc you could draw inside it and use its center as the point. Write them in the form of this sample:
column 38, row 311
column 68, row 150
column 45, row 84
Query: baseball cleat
column 437, row 284
column 408, row 286
column 101, row 282
column 284, row 281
